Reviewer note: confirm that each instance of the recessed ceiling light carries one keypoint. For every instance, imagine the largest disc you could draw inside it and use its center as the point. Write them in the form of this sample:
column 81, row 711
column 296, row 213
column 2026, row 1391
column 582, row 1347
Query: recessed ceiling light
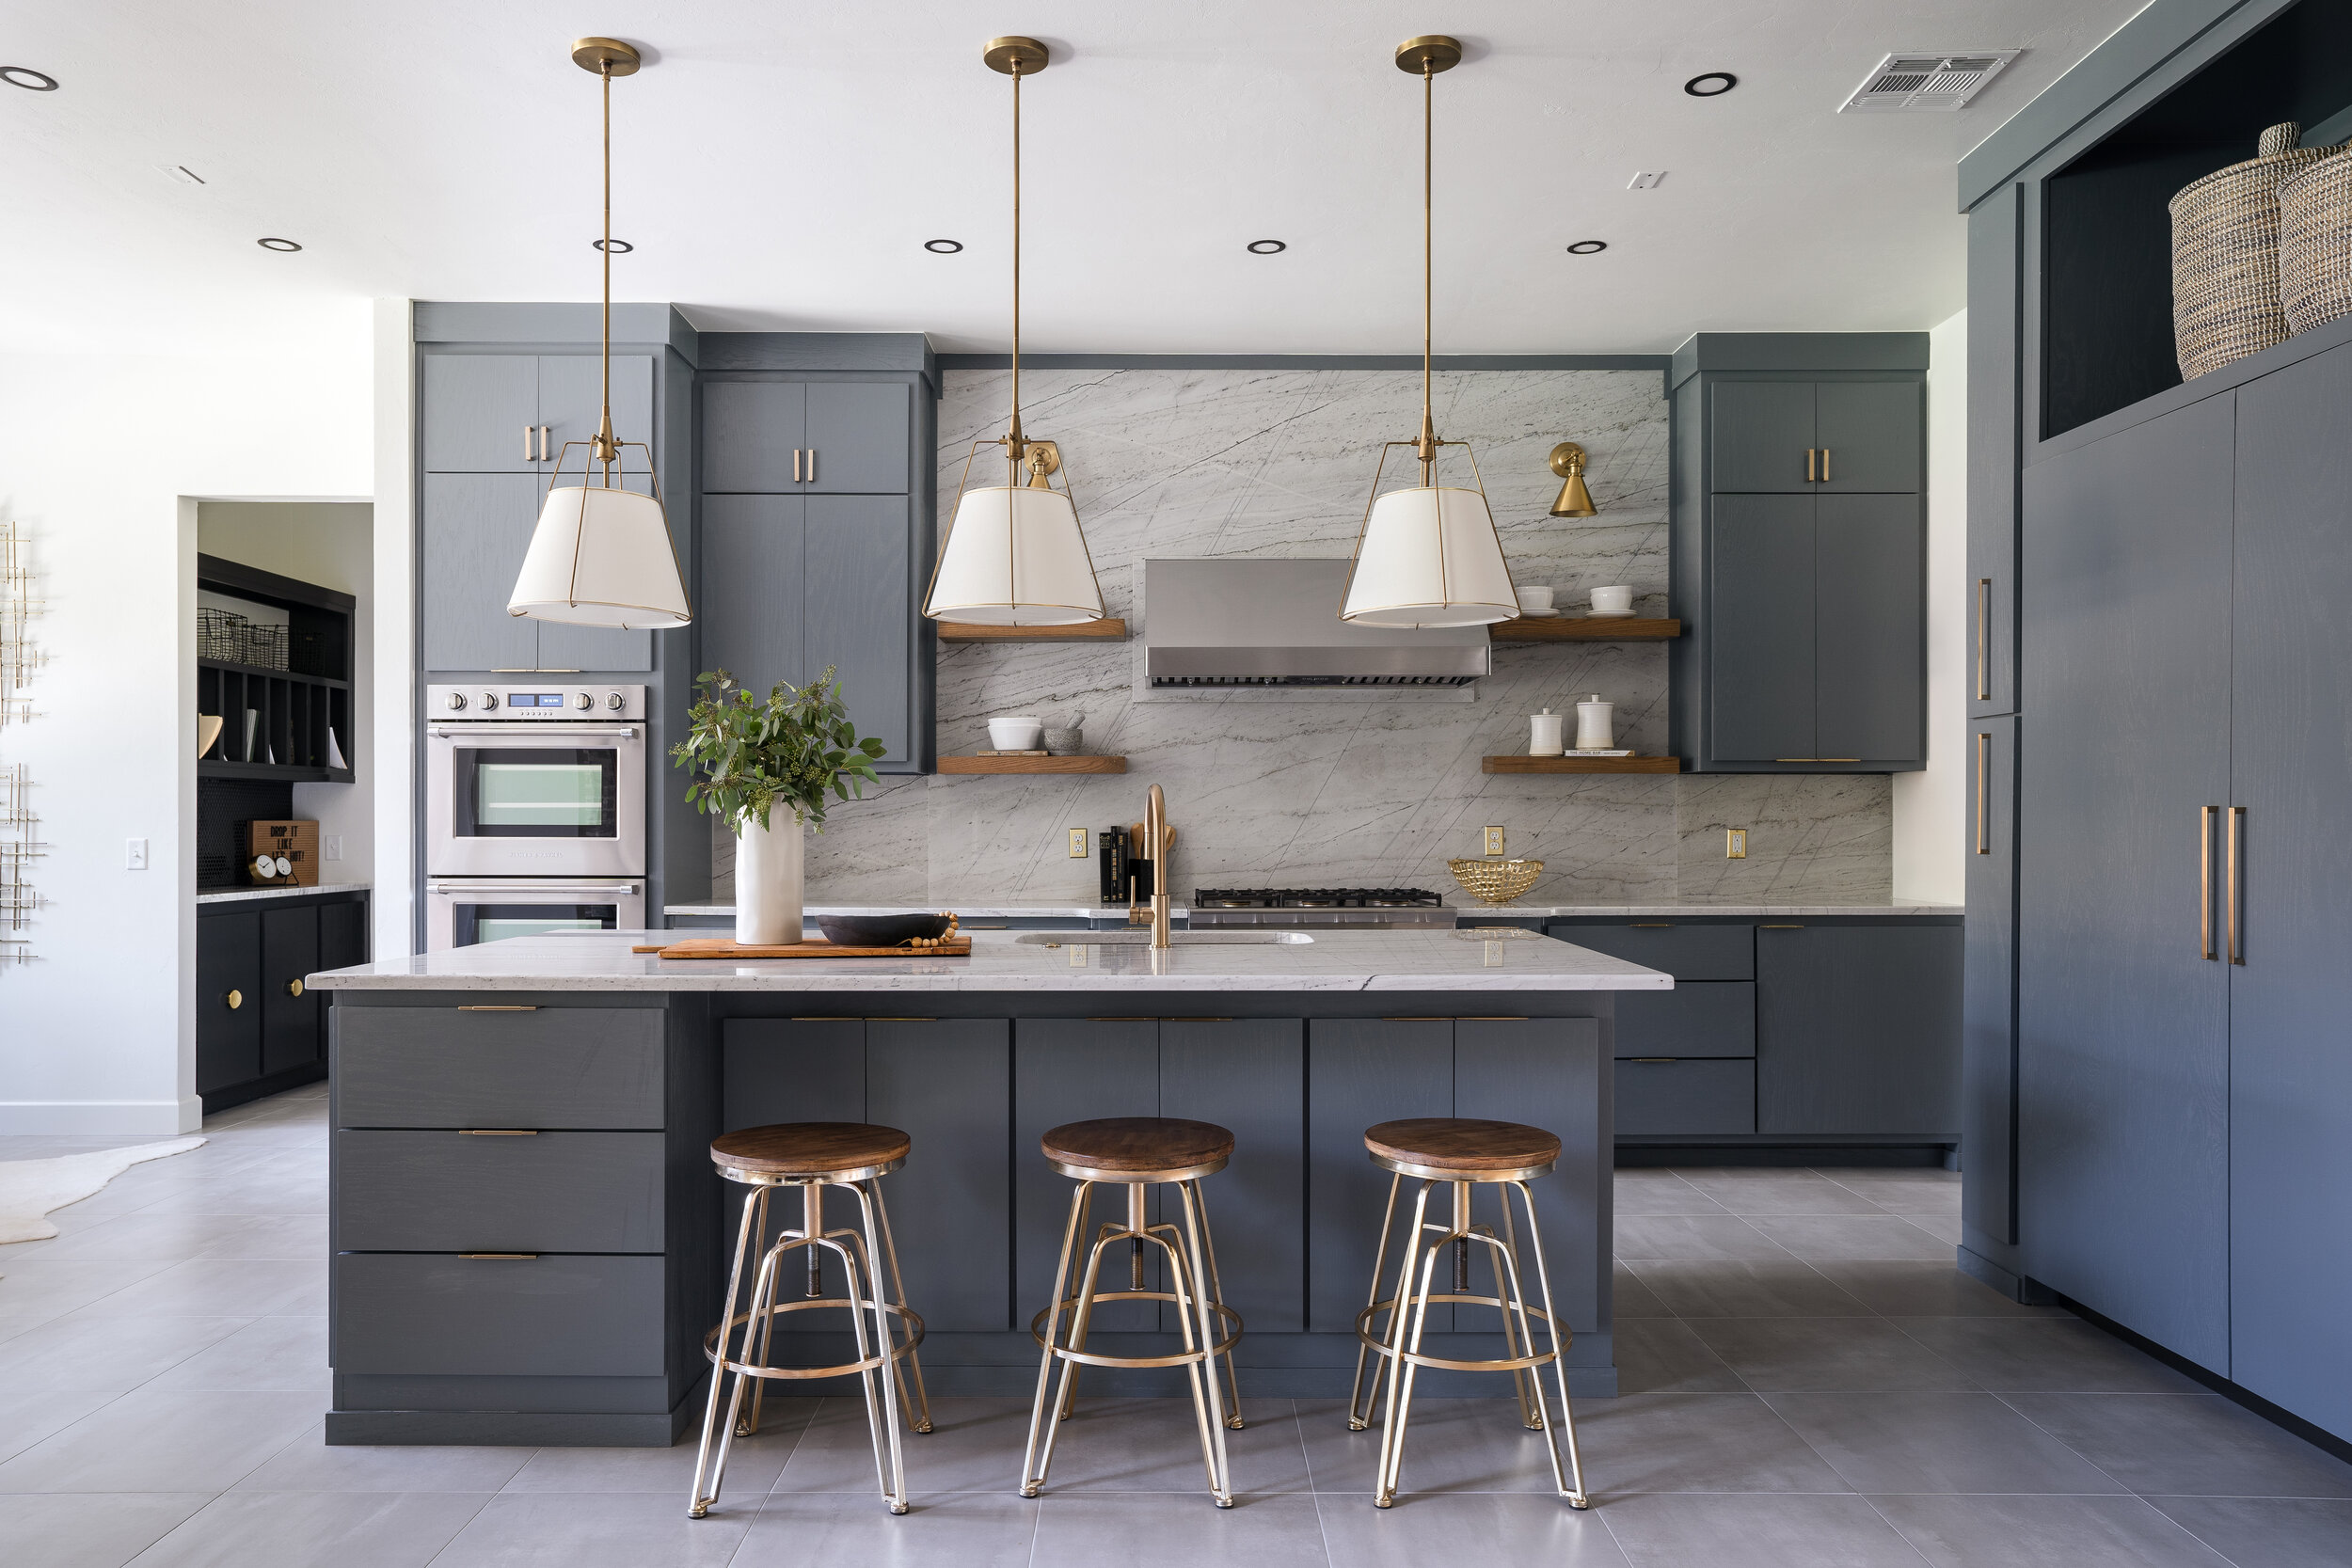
column 1588, row 247
column 1711, row 84
column 26, row 77
column 277, row 245
column 942, row 247
column 618, row 247
column 1267, row 248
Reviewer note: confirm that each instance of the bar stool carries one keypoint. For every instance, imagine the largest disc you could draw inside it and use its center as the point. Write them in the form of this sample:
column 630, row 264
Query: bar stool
column 812, row 1156
column 1136, row 1152
column 1461, row 1154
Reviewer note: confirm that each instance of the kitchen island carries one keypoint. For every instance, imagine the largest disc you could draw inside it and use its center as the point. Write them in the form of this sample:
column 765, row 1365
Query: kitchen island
column 528, row 1240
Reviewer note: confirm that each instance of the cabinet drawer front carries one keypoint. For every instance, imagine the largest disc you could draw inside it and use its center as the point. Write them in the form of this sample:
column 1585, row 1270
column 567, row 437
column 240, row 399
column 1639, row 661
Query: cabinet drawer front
column 549, row 1068
column 457, row 1192
column 1685, row 1097
column 1685, row 951
column 478, row 1317
column 1700, row 1018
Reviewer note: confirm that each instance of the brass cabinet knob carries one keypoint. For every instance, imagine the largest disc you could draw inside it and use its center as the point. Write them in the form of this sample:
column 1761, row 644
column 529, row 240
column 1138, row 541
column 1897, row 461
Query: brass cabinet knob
column 235, row 1000
column 293, row 988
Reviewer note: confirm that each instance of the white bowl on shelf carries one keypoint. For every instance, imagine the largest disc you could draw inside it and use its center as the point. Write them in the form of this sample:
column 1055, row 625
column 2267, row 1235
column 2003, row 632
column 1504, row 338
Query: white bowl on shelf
column 1023, row 734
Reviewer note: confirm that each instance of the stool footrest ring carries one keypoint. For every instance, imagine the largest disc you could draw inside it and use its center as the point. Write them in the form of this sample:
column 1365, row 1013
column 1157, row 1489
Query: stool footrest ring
column 1500, row 1364
column 898, row 1352
column 1227, row 1319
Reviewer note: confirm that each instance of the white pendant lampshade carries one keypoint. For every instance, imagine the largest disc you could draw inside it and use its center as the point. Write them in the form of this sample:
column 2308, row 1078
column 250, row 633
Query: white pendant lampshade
column 1430, row 557
column 1014, row 557
column 601, row 557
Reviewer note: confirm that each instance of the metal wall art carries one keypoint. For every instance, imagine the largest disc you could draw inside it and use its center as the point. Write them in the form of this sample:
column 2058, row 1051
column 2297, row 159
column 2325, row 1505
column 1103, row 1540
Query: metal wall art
column 20, row 844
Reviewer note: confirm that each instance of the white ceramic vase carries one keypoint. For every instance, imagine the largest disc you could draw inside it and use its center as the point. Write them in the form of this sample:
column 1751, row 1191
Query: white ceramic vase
column 768, row 878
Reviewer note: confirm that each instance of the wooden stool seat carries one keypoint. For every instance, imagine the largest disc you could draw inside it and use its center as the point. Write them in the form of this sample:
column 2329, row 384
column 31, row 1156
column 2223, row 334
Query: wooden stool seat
column 1457, row 1148
column 1138, row 1148
column 809, row 1148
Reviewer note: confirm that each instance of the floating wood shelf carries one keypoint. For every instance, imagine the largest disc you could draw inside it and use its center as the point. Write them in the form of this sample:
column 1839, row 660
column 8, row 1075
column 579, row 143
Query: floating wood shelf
column 1033, row 764
column 1583, row 628
column 1111, row 630
column 1580, row 765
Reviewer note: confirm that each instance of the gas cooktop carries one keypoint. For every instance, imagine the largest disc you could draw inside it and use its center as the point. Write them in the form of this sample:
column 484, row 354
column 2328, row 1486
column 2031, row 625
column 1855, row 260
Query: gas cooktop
column 1316, row 898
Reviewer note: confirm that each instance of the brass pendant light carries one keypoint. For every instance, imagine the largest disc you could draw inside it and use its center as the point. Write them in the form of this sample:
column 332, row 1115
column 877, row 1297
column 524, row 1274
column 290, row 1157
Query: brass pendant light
column 1428, row 555
column 1014, row 555
column 602, row 555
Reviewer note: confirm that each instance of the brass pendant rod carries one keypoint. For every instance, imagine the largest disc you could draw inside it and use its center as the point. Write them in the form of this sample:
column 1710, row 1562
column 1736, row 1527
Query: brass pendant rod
column 1428, row 442
column 604, row 443
column 1013, row 442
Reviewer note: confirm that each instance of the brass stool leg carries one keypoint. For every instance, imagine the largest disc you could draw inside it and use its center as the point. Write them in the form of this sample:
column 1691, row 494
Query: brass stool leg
column 1527, row 1380
column 894, row 1483
column 1577, row 1495
column 1040, row 1427
column 1379, row 1260
column 812, row 1222
column 699, row 1504
column 1192, row 1289
column 1407, row 1373
column 1384, row 1492
column 1216, row 1294
column 919, row 1407
column 763, row 1301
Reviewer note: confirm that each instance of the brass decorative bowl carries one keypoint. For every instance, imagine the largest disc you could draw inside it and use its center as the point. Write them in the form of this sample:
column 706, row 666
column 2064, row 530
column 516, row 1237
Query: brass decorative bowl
column 1496, row 882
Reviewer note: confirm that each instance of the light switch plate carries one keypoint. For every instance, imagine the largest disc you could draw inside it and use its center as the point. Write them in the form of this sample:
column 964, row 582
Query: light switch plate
column 1735, row 844
column 332, row 847
column 1494, row 841
column 135, row 854
column 1077, row 844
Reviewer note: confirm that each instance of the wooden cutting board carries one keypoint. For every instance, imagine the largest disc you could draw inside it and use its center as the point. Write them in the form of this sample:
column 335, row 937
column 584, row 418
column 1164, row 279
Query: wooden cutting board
column 728, row 947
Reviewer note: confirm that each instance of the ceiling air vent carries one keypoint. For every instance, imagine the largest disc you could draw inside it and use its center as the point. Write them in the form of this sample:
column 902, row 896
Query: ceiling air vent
column 1924, row 81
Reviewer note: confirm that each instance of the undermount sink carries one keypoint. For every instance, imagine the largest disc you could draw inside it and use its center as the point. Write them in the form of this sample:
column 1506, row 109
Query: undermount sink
column 1140, row 936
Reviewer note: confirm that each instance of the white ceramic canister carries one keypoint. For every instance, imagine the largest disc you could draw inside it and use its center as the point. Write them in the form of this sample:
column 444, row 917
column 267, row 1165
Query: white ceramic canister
column 1543, row 734
column 768, row 872
column 1596, row 725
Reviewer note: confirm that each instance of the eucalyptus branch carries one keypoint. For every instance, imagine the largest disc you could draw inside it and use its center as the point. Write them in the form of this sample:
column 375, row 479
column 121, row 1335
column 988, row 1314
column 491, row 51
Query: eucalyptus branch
column 798, row 748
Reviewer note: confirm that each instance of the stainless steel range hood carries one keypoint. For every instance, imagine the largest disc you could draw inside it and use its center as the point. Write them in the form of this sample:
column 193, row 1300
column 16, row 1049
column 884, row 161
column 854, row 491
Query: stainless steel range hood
column 1258, row 621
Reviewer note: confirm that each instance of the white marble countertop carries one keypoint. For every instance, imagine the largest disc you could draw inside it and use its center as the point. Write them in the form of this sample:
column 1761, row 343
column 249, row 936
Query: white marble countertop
column 1439, row 960
column 237, row 894
column 967, row 912
column 1501, row 911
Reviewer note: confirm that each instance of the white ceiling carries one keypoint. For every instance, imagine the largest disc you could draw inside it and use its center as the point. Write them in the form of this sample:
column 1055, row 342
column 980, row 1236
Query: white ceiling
column 780, row 164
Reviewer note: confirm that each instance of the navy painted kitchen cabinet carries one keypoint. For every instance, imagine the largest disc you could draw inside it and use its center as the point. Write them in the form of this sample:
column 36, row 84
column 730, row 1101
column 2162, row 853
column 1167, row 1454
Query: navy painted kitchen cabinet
column 259, row 1028
column 1988, row 1107
column 1857, row 1030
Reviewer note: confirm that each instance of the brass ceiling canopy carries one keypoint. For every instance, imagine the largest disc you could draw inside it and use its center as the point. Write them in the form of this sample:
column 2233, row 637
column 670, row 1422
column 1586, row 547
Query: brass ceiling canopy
column 1428, row 54
column 1016, row 57
column 595, row 55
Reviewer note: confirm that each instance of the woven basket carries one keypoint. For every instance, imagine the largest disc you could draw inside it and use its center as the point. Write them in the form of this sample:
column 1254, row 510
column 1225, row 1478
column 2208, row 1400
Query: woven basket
column 2315, row 243
column 2225, row 255
column 1496, row 882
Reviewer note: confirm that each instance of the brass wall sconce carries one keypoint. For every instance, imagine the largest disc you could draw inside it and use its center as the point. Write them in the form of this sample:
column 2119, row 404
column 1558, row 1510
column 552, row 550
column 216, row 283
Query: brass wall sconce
column 1567, row 461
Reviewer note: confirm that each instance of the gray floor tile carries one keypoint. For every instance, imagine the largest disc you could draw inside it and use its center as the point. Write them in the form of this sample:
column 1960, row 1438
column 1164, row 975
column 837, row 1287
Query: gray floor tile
column 114, row 1355
column 268, row 1354
column 1631, row 1298
column 39, row 1287
column 1771, row 1353
column 2045, row 1355
column 1435, row 1529
column 222, row 1287
column 137, row 1237
column 309, row 1463
column 1279, row 1531
column 2275, row 1532
column 1652, row 1192
column 26, row 1417
column 1152, row 1445
column 1696, row 1443
column 88, row 1532
column 1642, row 1237
column 1903, row 1192
column 1943, row 1228
column 1756, row 1193
column 1827, row 1236
column 293, row 1237
column 346, row 1529
column 2044, row 1532
column 752, row 1463
column 1660, row 1355
column 1762, row 1530
column 1937, row 1443
column 2186, row 1445
column 242, row 1194
column 974, row 1446
column 1746, row 1287
column 14, row 1323
column 1450, row 1445
column 617, row 1529
column 1917, row 1289
column 836, row 1529
column 163, row 1440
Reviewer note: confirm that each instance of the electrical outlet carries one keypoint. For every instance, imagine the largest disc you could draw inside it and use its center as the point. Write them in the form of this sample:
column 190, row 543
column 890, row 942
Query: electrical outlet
column 1494, row 841
column 1077, row 844
column 1735, row 844
column 332, row 847
column 135, row 854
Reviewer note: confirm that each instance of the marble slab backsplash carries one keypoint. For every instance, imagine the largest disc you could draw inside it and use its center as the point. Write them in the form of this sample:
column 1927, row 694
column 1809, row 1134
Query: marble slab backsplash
column 1174, row 462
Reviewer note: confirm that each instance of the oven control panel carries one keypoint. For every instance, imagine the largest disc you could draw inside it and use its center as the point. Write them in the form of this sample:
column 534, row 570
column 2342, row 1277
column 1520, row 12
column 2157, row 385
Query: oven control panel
column 512, row 698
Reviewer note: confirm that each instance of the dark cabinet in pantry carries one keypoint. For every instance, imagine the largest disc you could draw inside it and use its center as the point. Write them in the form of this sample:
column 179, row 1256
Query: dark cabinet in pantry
column 259, row 1028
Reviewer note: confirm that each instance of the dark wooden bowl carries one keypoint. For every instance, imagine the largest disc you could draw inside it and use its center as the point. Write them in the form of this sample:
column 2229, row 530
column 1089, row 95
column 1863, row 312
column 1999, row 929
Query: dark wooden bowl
column 878, row 931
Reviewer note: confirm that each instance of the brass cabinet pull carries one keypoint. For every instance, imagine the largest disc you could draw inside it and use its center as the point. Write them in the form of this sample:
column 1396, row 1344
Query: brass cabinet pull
column 528, row 431
column 1825, row 465
column 2236, row 828
column 1984, row 639
column 1984, row 776
column 1652, row 925
column 293, row 988
column 812, row 479
column 492, row 1008
column 235, row 1000
column 1653, row 1059
column 2204, row 880
column 1780, row 927
column 498, row 1131
column 1808, row 466
column 1817, row 759
column 501, row 1257
column 796, row 465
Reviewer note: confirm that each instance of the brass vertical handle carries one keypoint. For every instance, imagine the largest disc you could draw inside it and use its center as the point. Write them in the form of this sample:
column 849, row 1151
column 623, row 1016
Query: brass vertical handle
column 2204, row 880
column 1808, row 465
column 1984, row 639
column 2236, row 828
column 1825, row 465
column 812, row 464
column 528, row 431
column 547, row 439
column 796, row 465
column 1984, row 777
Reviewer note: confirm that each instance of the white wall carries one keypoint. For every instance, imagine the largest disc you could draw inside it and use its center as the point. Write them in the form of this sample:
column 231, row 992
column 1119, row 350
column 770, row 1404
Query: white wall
column 102, row 458
column 394, row 334
column 1931, row 807
column 328, row 543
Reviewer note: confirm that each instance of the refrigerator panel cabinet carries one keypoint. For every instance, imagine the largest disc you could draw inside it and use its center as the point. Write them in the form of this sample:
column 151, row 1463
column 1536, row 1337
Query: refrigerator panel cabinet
column 1988, row 1108
column 1993, row 371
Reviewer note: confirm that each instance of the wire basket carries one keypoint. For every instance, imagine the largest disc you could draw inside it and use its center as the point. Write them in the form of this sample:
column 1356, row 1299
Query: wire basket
column 220, row 634
column 265, row 646
column 1496, row 882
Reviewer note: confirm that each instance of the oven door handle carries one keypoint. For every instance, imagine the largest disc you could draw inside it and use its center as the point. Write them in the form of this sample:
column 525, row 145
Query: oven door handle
column 539, row 887
column 506, row 736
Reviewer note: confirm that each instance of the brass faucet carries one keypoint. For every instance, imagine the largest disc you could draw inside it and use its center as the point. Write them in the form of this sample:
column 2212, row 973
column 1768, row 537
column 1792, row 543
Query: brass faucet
column 1156, row 837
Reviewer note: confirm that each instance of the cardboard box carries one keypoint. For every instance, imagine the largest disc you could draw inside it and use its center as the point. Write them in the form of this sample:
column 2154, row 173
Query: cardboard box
column 293, row 845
